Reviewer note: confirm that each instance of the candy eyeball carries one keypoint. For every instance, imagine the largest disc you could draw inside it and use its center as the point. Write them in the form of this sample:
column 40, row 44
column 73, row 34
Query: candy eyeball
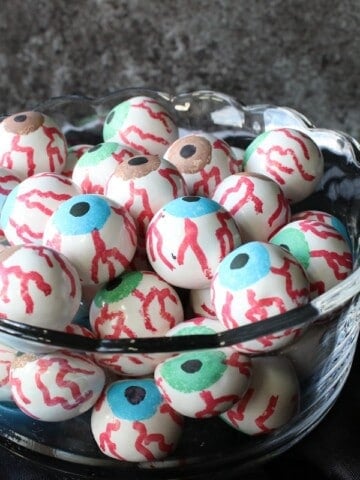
column 96, row 234
column 94, row 168
column 257, row 204
column 39, row 286
column 143, row 184
column 133, row 422
column 203, row 160
column 256, row 281
column 322, row 250
column 203, row 383
column 187, row 238
column 271, row 399
column 323, row 217
column 289, row 157
column 57, row 386
column 31, row 203
column 31, row 142
column 135, row 304
column 141, row 123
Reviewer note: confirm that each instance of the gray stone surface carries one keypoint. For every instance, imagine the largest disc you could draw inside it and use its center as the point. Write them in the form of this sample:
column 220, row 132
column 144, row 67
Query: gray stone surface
column 297, row 53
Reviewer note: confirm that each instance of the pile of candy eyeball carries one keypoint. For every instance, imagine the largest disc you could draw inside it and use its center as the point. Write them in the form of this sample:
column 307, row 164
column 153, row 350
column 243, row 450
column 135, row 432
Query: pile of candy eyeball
column 126, row 226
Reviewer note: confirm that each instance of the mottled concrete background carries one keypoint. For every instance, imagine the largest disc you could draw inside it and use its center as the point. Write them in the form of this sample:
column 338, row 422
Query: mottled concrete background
column 297, row 53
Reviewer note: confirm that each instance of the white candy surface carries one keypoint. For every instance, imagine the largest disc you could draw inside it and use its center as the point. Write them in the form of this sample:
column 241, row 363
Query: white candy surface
column 187, row 238
column 203, row 160
column 133, row 422
column 256, row 281
column 289, row 157
column 39, row 286
column 141, row 123
column 31, row 142
column 96, row 234
column 56, row 386
column 256, row 202
column 31, row 203
column 271, row 399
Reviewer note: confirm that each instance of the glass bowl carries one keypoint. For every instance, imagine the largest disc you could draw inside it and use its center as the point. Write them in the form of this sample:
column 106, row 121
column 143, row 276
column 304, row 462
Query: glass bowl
column 332, row 318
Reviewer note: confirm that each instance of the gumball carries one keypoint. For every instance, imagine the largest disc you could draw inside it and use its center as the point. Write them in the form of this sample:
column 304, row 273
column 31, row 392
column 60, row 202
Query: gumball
column 289, row 157
column 141, row 123
column 201, row 303
column 8, row 181
column 31, row 142
column 135, row 304
column 56, row 386
column 96, row 234
column 271, row 399
column 31, row 203
column 133, row 422
column 203, row 383
column 73, row 155
column 203, row 160
column 39, row 286
column 323, row 217
column 94, row 168
column 143, row 184
column 322, row 250
column 256, row 281
column 187, row 238
column 256, row 202
column 7, row 357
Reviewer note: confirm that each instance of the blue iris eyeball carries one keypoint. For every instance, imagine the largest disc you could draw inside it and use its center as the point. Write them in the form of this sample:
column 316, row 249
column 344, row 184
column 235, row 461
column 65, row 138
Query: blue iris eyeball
column 81, row 214
column 191, row 206
column 244, row 266
column 134, row 399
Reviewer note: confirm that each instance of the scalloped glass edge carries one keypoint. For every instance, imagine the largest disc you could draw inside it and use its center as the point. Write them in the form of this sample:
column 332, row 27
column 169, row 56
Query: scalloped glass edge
column 228, row 115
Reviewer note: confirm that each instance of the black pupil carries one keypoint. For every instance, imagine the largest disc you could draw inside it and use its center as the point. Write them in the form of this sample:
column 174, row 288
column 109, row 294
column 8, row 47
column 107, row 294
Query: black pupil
column 20, row 118
column 114, row 283
column 191, row 199
column 239, row 261
column 187, row 151
column 135, row 395
column 79, row 209
column 137, row 161
column 283, row 245
column 191, row 366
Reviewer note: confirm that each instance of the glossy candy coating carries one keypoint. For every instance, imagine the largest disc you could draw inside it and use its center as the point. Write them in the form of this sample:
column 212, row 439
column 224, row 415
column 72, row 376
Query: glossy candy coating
column 39, row 286
column 256, row 281
column 203, row 383
column 97, row 235
column 322, row 250
column 94, row 168
column 135, row 304
column 187, row 238
column 289, row 157
column 141, row 123
column 31, row 203
column 133, row 422
column 256, row 202
column 143, row 184
column 56, row 386
column 203, row 160
column 271, row 399
column 31, row 142
column 73, row 154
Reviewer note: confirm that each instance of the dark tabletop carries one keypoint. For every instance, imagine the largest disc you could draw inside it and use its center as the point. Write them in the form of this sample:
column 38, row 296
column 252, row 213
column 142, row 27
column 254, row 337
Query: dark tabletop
column 331, row 451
